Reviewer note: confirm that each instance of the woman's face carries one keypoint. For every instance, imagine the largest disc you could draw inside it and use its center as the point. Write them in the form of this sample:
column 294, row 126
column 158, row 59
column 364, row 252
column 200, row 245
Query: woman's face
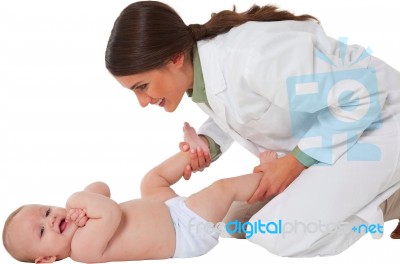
column 163, row 87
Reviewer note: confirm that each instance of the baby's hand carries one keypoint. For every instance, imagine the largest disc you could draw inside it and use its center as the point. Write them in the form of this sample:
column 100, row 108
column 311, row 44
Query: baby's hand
column 78, row 217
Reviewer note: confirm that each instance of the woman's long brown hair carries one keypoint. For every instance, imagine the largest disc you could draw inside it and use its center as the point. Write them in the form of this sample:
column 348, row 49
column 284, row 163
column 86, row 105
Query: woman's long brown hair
column 147, row 34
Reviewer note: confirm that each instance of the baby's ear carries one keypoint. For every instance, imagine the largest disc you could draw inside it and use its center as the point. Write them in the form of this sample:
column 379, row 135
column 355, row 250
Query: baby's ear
column 48, row 259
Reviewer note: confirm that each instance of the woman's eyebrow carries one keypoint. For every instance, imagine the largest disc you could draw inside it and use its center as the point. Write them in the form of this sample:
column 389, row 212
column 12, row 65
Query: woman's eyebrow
column 135, row 85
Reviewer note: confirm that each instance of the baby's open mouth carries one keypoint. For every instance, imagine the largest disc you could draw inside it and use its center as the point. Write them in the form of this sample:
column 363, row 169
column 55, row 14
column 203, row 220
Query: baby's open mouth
column 62, row 226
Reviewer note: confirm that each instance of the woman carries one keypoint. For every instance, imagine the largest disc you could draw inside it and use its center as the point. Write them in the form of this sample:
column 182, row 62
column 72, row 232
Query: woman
column 271, row 80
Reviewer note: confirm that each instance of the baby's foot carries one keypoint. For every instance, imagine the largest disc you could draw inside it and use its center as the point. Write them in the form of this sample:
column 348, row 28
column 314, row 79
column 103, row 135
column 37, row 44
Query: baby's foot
column 190, row 136
column 267, row 156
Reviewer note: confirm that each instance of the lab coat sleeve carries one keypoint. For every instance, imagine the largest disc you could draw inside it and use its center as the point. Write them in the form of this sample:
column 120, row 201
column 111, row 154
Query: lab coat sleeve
column 338, row 126
column 212, row 130
column 342, row 102
column 303, row 158
column 215, row 150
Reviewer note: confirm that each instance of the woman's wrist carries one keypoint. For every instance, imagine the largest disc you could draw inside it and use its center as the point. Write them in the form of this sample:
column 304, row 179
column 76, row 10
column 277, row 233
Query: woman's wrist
column 296, row 166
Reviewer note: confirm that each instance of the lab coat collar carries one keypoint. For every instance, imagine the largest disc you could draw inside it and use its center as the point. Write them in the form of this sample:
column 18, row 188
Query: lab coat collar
column 215, row 86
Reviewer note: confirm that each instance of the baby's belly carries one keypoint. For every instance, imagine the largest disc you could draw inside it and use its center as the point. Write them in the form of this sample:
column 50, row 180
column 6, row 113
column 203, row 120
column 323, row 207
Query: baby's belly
column 146, row 232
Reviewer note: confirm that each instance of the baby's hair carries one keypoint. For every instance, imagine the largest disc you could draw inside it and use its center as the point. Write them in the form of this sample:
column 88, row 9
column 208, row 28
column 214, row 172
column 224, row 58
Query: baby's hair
column 6, row 237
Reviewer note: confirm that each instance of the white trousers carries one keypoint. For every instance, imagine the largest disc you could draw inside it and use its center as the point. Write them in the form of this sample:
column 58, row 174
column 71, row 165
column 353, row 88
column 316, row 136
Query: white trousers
column 328, row 208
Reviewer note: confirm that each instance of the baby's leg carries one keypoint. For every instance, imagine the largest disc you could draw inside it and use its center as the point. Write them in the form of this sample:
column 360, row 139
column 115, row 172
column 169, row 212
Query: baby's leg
column 267, row 156
column 190, row 136
column 213, row 202
column 242, row 211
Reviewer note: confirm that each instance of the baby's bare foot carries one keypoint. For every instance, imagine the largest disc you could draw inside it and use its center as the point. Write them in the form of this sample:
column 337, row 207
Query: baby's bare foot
column 190, row 136
column 267, row 156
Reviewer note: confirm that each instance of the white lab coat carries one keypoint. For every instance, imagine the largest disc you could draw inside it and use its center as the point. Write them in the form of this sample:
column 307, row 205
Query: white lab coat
column 248, row 73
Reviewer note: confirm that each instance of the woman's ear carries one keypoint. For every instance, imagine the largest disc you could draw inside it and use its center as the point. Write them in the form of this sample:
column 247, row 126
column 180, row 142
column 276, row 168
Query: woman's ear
column 48, row 259
column 178, row 59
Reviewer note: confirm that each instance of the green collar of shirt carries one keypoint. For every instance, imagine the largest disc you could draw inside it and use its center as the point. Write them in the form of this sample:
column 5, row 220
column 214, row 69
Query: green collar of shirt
column 198, row 93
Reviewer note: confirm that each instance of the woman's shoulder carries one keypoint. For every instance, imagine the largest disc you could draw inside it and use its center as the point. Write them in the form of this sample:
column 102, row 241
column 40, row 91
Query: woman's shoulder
column 252, row 34
column 263, row 29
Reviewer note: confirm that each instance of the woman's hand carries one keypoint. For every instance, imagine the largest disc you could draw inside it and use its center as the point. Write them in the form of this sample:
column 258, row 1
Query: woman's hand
column 278, row 175
column 199, row 160
column 199, row 153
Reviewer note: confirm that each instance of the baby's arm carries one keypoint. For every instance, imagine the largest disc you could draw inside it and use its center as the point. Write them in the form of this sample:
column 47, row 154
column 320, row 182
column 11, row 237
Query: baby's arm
column 77, row 215
column 156, row 183
column 104, row 218
column 100, row 188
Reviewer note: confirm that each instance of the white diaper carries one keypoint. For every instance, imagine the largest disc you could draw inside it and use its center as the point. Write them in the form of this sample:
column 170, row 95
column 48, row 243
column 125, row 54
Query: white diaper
column 194, row 235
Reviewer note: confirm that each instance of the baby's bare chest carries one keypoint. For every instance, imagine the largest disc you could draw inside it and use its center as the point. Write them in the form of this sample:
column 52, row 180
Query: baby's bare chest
column 145, row 232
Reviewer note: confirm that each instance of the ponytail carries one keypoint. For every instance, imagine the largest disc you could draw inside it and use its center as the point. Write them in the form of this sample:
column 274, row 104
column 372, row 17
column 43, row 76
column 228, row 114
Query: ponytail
column 225, row 20
column 147, row 34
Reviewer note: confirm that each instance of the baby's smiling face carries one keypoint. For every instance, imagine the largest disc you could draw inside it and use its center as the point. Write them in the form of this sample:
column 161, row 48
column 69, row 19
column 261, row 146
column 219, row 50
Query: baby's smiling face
column 41, row 231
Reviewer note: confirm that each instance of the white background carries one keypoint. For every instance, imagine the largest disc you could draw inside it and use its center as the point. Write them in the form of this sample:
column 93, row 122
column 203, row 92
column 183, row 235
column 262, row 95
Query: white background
column 65, row 122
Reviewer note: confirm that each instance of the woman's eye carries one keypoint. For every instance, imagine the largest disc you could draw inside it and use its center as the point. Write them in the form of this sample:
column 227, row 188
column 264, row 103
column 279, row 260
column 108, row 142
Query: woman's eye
column 41, row 231
column 48, row 212
column 141, row 87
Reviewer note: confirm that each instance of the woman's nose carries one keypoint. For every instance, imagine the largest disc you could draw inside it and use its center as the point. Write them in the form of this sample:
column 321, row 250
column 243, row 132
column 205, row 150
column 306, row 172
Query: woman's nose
column 144, row 99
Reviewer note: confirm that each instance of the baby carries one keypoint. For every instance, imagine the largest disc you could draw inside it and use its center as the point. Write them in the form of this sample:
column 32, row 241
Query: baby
column 160, row 225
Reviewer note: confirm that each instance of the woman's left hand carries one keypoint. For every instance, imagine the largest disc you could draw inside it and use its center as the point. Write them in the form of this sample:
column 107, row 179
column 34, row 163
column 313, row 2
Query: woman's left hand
column 278, row 175
column 199, row 160
column 197, row 145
